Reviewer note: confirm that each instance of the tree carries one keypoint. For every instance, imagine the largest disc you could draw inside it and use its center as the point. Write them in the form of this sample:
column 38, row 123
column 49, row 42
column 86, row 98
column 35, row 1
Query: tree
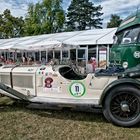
column 45, row 17
column 10, row 26
column 115, row 21
column 32, row 20
column 55, row 16
column 1, row 26
column 82, row 15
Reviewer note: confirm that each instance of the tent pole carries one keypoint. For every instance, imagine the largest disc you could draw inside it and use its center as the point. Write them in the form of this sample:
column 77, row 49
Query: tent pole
column 47, row 56
column 5, row 55
column 34, row 56
column 97, row 55
column 40, row 56
column 69, row 54
column 87, row 54
column 15, row 55
column 8, row 54
column 53, row 54
column 86, row 57
column 76, row 55
column 61, row 56
column 108, row 55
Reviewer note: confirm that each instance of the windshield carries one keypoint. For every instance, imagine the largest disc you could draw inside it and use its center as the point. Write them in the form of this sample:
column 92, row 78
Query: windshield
column 127, row 36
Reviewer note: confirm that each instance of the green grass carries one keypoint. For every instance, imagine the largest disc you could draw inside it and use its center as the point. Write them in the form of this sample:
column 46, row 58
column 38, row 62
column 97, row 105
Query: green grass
column 20, row 123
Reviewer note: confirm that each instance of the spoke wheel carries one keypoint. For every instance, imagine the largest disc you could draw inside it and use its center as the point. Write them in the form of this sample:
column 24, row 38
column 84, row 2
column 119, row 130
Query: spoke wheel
column 122, row 106
column 125, row 106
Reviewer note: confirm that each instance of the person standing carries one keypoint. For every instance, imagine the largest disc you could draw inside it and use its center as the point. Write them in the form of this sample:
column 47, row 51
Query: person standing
column 93, row 63
column 24, row 59
column 89, row 67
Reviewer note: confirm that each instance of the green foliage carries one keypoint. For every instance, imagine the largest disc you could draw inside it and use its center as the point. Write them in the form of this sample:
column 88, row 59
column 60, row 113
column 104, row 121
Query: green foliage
column 45, row 17
column 115, row 21
column 10, row 26
column 48, row 16
column 82, row 15
column 32, row 26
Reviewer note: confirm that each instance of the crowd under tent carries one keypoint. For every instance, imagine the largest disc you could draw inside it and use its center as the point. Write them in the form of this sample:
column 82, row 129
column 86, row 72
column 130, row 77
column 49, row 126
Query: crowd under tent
column 78, row 45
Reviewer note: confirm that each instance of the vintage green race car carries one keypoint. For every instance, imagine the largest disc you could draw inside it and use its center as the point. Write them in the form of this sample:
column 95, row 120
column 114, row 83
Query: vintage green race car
column 117, row 94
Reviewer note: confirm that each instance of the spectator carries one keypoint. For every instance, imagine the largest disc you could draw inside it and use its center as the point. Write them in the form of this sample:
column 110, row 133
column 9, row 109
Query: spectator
column 2, row 59
column 93, row 59
column 43, row 61
column 10, row 61
column 30, row 60
column 24, row 59
column 89, row 67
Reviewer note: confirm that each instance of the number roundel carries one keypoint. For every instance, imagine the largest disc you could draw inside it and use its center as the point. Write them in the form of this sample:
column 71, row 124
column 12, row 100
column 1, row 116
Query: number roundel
column 77, row 89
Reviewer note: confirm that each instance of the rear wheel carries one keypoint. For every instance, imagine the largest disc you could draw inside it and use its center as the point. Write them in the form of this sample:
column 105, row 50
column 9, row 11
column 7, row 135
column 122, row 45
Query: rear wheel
column 122, row 106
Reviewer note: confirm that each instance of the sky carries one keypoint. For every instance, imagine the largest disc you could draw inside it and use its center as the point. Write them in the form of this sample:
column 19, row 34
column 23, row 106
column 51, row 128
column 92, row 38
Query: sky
column 121, row 7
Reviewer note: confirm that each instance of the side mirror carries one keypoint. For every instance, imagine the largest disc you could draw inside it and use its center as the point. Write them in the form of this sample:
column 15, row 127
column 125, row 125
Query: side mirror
column 114, row 37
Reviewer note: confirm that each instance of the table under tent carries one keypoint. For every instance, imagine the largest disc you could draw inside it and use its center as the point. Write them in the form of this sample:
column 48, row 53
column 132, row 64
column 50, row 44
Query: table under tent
column 79, row 46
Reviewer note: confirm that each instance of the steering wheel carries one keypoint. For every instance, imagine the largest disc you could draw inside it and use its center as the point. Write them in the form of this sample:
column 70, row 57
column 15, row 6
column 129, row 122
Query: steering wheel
column 74, row 68
column 67, row 71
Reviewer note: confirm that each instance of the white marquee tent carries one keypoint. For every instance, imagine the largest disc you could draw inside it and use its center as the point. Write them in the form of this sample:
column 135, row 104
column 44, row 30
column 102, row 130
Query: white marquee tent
column 86, row 37
column 92, row 39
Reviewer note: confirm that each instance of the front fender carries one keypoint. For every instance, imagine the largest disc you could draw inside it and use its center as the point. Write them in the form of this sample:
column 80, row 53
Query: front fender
column 118, row 82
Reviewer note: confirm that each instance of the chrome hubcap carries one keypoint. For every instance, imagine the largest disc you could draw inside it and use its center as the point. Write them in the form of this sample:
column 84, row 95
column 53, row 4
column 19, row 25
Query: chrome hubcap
column 125, row 107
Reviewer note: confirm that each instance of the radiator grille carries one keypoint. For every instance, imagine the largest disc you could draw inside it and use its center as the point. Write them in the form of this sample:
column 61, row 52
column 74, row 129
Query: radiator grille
column 5, row 79
column 18, row 80
column 23, row 81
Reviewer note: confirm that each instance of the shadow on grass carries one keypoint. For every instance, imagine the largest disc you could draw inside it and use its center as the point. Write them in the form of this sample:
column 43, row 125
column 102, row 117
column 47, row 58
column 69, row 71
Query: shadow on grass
column 64, row 114
column 72, row 115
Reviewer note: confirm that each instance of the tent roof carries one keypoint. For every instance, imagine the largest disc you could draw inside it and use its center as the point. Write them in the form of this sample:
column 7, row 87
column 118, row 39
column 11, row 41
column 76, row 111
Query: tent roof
column 86, row 37
column 93, row 37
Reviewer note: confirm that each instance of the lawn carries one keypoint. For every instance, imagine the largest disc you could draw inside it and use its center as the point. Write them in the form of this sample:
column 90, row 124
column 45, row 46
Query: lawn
column 19, row 123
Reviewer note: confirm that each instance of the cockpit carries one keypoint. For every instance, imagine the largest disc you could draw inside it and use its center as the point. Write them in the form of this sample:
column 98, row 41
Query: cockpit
column 69, row 73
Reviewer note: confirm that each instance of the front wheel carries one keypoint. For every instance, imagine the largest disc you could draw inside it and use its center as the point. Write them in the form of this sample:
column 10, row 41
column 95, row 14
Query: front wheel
column 122, row 106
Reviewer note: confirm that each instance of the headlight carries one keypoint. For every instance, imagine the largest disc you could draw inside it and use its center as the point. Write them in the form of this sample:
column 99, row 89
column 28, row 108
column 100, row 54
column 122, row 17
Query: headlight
column 125, row 65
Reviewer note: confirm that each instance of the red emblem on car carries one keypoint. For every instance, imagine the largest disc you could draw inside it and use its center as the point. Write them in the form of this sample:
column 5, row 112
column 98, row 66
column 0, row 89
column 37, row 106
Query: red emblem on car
column 48, row 82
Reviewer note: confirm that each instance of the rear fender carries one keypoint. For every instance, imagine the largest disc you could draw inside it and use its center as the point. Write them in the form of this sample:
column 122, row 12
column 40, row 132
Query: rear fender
column 117, row 83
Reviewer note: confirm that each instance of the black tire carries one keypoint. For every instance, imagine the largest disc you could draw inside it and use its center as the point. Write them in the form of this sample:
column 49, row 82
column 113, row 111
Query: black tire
column 122, row 106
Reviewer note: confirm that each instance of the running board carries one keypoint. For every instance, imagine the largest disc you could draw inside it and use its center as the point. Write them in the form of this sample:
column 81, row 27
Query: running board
column 13, row 92
column 64, row 101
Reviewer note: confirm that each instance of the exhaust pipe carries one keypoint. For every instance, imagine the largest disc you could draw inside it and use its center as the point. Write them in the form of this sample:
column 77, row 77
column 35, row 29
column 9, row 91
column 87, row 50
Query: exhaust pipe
column 14, row 92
